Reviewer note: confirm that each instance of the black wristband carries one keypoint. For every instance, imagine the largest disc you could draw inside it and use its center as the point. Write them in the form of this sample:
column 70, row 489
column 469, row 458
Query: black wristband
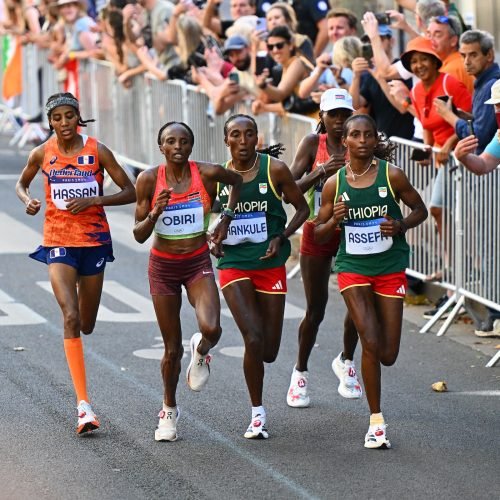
column 283, row 239
column 402, row 226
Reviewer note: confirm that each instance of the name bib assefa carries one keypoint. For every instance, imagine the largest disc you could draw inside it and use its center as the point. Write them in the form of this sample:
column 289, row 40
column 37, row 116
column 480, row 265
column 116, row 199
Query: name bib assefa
column 181, row 219
column 63, row 188
column 249, row 227
column 364, row 237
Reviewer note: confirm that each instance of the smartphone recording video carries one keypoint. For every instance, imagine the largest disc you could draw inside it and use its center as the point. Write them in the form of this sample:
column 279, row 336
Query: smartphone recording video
column 367, row 51
column 234, row 77
column 383, row 18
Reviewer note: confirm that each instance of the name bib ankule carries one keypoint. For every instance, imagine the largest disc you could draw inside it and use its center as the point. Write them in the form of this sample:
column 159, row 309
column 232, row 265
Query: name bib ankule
column 364, row 237
column 63, row 188
column 248, row 227
column 181, row 219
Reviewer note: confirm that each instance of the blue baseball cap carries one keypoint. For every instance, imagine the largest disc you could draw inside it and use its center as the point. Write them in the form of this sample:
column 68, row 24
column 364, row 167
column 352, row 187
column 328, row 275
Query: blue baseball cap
column 235, row 42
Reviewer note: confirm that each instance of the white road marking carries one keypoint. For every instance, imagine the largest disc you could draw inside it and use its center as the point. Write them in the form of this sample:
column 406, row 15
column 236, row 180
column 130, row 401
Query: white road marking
column 122, row 224
column 142, row 306
column 15, row 313
column 233, row 352
column 476, row 393
column 9, row 177
column 156, row 351
column 20, row 237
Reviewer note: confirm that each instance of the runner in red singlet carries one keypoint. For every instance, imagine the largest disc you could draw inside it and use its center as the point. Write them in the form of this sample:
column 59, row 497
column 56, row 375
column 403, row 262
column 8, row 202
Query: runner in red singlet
column 76, row 237
column 318, row 157
column 174, row 202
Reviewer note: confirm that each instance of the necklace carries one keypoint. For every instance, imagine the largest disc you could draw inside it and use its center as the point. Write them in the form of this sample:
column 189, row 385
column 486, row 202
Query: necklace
column 248, row 169
column 175, row 177
column 373, row 162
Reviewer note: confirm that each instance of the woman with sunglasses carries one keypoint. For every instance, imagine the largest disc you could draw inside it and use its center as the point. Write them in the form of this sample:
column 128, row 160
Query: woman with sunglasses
column 318, row 157
column 282, row 49
column 363, row 199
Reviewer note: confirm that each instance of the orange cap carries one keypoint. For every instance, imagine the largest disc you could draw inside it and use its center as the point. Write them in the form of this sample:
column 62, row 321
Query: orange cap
column 419, row 44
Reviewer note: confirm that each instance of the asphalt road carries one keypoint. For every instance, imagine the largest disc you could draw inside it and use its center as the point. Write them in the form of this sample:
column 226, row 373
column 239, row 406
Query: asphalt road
column 445, row 445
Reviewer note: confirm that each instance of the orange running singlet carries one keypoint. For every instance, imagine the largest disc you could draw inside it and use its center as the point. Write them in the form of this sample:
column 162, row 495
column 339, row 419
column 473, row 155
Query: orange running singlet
column 188, row 214
column 77, row 176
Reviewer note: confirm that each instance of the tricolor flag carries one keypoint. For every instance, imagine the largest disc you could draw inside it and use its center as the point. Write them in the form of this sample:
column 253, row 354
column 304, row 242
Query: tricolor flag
column 86, row 160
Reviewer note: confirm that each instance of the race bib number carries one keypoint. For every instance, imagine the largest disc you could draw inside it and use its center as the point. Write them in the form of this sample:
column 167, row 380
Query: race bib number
column 63, row 188
column 249, row 227
column 364, row 237
column 181, row 219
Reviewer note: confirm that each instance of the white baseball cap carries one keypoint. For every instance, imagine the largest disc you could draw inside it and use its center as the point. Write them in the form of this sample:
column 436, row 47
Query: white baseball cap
column 495, row 94
column 336, row 99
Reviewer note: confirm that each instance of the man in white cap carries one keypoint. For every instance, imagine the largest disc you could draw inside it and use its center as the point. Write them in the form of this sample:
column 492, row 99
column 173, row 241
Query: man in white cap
column 489, row 159
column 319, row 156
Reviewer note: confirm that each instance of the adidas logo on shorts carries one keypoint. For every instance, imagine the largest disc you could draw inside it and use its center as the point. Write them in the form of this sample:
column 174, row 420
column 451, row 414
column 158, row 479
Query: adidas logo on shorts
column 401, row 290
column 277, row 286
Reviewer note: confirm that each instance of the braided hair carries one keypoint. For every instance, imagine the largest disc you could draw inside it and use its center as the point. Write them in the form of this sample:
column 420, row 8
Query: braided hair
column 64, row 99
column 385, row 149
column 274, row 150
column 182, row 124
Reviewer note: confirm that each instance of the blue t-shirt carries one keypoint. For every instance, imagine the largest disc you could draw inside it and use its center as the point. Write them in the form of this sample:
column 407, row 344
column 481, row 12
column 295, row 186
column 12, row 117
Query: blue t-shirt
column 493, row 148
column 81, row 25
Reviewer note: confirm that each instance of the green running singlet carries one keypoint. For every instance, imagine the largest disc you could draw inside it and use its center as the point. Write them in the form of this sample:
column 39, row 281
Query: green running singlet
column 363, row 249
column 259, row 217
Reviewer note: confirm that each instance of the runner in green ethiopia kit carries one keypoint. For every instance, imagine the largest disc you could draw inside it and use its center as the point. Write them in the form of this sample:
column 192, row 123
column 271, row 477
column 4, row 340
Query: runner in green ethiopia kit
column 252, row 272
column 363, row 198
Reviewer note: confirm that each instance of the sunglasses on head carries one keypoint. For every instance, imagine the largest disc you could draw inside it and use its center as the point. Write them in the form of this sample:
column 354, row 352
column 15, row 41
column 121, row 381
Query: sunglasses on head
column 445, row 20
column 272, row 46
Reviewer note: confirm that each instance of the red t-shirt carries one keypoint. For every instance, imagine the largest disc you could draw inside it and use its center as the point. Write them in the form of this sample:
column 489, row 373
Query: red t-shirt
column 431, row 120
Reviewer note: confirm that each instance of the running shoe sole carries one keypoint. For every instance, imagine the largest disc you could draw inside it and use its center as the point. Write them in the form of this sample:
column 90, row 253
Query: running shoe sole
column 260, row 435
column 299, row 404
column 376, row 446
column 87, row 427
column 160, row 438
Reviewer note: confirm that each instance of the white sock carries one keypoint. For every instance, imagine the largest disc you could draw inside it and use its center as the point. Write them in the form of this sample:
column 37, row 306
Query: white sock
column 258, row 410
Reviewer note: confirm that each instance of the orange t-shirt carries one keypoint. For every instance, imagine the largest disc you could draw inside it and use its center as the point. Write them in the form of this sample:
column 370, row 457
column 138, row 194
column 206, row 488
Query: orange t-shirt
column 77, row 176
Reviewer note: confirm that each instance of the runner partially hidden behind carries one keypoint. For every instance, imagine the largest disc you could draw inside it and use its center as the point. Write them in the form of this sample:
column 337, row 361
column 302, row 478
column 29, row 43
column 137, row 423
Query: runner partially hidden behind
column 363, row 198
column 174, row 202
column 318, row 157
column 76, row 236
column 252, row 260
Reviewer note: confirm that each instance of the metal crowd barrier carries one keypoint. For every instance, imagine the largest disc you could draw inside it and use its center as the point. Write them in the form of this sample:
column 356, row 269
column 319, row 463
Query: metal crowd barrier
column 128, row 120
column 468, row 253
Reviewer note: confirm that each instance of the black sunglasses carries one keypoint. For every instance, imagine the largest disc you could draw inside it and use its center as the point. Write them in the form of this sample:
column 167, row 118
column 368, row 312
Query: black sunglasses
column 279, row 46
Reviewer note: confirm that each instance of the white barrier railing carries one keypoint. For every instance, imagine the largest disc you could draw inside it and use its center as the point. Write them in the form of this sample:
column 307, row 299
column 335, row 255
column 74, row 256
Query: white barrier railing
column 128, row 120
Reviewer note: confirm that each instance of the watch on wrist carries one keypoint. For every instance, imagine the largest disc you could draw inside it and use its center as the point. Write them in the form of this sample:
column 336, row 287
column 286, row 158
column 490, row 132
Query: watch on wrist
column 283, row 239
column 402, row 226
